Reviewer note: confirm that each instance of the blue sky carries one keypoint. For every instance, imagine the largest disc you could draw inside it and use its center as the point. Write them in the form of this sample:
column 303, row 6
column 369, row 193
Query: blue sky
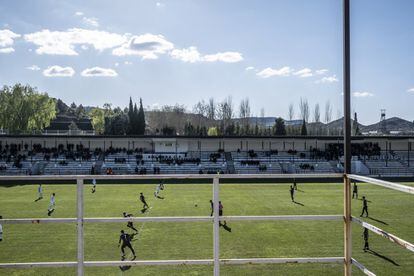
column 168, row 52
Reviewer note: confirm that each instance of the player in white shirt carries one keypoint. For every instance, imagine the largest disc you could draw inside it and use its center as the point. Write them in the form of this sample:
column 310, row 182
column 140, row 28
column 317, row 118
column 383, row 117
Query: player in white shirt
column 1, row 230
column 52, row 205
column 39, row 192
column 158, row 189
column 93, row 185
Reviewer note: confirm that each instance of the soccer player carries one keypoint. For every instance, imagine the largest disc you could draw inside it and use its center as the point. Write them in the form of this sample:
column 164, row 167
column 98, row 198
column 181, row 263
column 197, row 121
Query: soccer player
column 52, row 204
column 355, row 191
column 364, row 206
column 130, row 224
column 292, row 193
column 40, row 192
column 142, row 199
column 126, row 242
column 212, row 207
column 93, row 185
column 221, row 213
column 1, row 230
column 157, row 190
column 366, row 236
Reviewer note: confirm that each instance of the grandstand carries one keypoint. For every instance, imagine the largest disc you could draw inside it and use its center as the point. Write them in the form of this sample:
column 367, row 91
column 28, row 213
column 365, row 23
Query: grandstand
column 54, row 155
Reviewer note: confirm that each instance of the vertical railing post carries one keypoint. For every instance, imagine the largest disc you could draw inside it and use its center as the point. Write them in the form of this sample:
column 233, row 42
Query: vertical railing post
column 347, row 227
column 216, row 226
column 79, row 203
column 347, row 136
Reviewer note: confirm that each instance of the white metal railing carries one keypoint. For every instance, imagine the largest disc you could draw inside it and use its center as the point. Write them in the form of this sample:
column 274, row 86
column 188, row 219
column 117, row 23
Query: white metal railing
column 216, row 261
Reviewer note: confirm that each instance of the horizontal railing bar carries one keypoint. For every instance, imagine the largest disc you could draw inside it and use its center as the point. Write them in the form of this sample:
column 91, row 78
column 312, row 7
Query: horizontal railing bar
column 283, row 260
column 170, row 219
column 386, row 184
column 167, row 176
column 178, row 262
column 283, row 217
column 391, row 237
column 38, row 264
column 362, row 268
column 37, row 220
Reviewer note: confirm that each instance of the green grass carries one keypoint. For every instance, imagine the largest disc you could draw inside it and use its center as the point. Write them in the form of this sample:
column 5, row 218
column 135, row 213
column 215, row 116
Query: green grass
column 57, row 242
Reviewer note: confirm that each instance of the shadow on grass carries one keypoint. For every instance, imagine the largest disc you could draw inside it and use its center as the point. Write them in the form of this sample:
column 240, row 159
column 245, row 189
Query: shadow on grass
column 382, row 257
column 377, row 220
column 298, row 203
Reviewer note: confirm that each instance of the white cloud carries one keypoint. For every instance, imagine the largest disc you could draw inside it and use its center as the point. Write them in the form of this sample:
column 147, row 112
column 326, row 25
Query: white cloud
column 362, row 94
column 328, row 79
column 229, row 57
column 160, row 5
column 7, row 38
column 64, row 42
column 411, row 90
column 269, row 72
column 7, row 50
column 249, row 68
column 33, row 68
column 58, row 71
column 147, row 46
column 116, row 64
column 304, row 73
column 128, row 63
column 190, row 54
column 91, row 21
column 78, row 13
column 321, row 71
column 99, row 72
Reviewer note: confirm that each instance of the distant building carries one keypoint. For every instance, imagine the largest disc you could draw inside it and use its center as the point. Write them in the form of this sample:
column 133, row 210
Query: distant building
column 69, row 124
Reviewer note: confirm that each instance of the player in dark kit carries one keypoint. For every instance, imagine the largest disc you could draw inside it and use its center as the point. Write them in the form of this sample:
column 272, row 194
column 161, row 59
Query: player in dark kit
column 126, row 242
column 142, row 199
column 130, row 224
column 364, row 206
column 292, row 193
column 221, row 213
column 366, row 236
column 355, row 191
column 212, row 208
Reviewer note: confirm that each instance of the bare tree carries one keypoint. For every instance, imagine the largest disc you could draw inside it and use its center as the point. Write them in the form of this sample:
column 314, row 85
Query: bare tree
column 262, row 112
column 291, row 112
column 328, row 112
column 244, row 112
column 316, row 114
column 304, row 109
column 338, row 113
column 211, row 109
column 200, row 108
column 225, row 110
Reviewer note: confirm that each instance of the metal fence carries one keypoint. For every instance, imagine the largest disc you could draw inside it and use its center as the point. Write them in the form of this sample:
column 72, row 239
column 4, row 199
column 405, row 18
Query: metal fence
column 216, row 261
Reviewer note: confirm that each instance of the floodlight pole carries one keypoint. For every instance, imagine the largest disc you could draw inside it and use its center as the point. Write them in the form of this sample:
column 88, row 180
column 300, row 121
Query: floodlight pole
column 216, row 227
column 79, row 226
column 347, row 139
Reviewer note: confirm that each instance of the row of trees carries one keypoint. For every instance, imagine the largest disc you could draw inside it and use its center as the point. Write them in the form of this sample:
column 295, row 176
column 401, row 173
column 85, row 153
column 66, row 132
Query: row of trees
column 130, row 121
column 23, row 109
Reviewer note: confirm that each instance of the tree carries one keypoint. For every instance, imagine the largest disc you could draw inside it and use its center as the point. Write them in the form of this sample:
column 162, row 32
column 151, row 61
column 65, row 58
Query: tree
column 303, row 130
column 244, row 114
column 328, row 112
column 291, row 112
column 304, row 109
column 212, row 131
column 131, row 116
column 140, row 119
column 24, row 109
column 97, row 116
column 356, row 125
column 225, row 111
column 80, row 111
column 279, row 128
column 316, row 114
column 211, row 109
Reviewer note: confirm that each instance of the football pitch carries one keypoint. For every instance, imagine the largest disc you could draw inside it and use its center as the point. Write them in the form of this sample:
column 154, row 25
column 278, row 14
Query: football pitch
column 389, row 210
